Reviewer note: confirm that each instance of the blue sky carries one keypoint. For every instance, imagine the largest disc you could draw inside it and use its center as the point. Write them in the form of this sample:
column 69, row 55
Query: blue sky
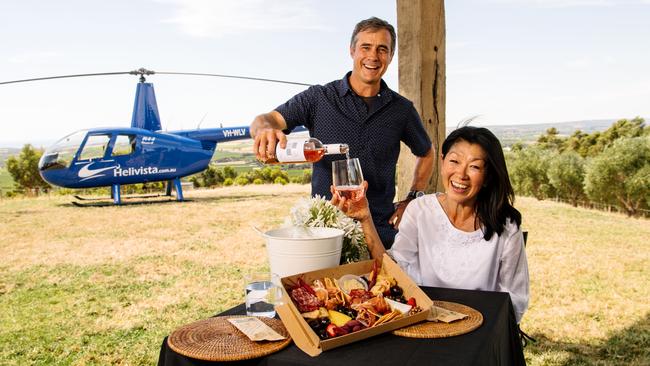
column 509, row 61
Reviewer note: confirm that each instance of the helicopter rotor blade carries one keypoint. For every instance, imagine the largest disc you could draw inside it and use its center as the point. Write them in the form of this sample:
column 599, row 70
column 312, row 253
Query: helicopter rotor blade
column 64, row 76
column 143, row 71
column 232, row 77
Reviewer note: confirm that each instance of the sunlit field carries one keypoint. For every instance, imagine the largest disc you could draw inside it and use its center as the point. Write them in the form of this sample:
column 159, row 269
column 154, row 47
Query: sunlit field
column 105, row 285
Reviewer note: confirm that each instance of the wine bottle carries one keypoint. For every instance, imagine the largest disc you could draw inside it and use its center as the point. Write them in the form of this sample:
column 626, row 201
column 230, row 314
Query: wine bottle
column 305, row 150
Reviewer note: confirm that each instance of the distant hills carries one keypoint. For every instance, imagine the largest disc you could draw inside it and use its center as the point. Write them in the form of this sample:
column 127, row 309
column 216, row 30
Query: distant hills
column 5, row 153
column 510, row 134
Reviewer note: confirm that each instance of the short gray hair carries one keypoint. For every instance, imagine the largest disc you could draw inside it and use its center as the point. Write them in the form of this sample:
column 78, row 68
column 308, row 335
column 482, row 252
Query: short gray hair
column 374, row 24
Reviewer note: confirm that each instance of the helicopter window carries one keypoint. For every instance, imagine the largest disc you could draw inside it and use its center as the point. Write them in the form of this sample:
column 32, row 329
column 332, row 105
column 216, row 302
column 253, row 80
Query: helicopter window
column 60, row 154
column 95, row 147
column 124, row 145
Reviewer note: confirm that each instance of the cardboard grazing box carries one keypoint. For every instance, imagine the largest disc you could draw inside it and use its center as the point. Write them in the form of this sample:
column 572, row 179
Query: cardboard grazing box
column 307, row 340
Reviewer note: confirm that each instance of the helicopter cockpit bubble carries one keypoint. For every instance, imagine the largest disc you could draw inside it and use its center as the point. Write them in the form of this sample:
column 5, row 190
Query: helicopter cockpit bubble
column 60, row 155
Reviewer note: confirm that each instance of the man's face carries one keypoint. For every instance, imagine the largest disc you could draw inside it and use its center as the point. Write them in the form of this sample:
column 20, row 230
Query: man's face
column 371, row 55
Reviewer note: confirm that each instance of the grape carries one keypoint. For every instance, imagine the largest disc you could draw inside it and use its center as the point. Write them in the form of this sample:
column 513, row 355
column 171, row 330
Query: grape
column 396, row 291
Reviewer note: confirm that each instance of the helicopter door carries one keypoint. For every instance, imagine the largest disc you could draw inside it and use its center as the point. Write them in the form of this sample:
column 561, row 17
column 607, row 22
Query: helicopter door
column 95, row 147
column 124, row 145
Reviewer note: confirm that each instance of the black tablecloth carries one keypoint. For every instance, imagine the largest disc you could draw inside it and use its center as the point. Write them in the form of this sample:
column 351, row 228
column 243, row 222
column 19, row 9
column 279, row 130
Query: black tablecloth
column 495, row 342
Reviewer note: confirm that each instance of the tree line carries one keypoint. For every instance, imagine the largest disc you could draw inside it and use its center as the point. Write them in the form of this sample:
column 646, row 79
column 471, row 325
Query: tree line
column 609, row 168
column 227, row 176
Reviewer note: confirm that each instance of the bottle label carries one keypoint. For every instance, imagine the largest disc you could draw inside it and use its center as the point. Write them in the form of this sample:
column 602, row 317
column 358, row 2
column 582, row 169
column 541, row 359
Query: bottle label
column 295, row 151
column 335, row 149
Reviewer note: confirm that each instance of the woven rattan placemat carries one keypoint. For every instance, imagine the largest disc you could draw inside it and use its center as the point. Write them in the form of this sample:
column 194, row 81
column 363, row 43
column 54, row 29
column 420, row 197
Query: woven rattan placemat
column 429, row 329
column 215, row 339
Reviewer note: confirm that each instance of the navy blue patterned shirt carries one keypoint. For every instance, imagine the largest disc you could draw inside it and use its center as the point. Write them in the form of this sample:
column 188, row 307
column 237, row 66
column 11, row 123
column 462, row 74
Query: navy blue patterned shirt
column 373, row 128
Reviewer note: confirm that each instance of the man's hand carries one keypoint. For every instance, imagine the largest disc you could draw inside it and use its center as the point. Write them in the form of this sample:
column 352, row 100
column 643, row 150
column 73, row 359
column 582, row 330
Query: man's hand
column 266, row 129
column 265, row 142
column 399, row 211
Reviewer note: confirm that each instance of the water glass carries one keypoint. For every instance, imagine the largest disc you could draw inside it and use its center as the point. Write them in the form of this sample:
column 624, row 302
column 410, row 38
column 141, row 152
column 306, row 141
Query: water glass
column 262, row 293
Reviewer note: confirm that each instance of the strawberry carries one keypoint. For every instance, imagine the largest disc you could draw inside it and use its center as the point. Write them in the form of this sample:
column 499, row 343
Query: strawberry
column 331, row 330
column 411, row 302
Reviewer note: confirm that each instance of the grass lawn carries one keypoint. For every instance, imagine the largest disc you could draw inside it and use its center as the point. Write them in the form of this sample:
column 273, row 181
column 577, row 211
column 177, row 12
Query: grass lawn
column 105, row 285
column 6, row 182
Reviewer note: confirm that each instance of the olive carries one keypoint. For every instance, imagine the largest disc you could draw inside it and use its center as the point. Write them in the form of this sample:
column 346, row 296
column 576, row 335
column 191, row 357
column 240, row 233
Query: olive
column 396, row 291
column 324, row 322
column 314, row 324
column 322, row 334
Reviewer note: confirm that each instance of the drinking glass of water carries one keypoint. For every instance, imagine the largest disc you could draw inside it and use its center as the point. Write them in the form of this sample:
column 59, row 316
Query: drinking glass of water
column 262, row 292
column 347, row 178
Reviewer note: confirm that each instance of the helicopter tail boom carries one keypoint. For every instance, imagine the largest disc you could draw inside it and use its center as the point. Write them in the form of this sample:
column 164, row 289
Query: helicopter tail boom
column 216, row 134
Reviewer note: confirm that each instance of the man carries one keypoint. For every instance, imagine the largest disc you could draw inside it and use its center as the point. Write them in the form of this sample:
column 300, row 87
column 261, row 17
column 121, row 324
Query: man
column 361, row 111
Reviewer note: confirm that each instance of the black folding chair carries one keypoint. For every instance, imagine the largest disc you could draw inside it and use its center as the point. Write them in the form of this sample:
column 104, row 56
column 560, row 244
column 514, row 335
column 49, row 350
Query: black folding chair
column 525, row 338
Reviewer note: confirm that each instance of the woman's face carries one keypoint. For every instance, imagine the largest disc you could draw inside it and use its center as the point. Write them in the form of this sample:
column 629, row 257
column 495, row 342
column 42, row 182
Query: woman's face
column 464, row 172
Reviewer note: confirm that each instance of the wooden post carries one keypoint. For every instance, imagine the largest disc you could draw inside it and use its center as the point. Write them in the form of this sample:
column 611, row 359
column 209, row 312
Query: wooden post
column 421, row 52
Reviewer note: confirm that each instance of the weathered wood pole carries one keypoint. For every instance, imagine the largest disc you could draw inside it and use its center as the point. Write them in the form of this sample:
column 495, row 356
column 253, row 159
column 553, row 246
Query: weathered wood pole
column 421, row 60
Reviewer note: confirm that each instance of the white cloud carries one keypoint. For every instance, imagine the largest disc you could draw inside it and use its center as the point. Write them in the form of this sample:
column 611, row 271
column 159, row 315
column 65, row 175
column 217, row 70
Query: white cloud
column 219, row 18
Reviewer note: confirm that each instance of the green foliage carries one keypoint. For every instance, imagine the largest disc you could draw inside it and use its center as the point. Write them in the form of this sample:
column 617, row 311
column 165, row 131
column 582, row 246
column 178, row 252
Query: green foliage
column 241, row 180
column 551, row 140
column 143, row 187
column 24, row 170
column 527, row 168
column 592, row 145
column 212, row 176
column 280, row 180
column 566, row 174
column 229, row 172
column 609, row 167
column 306, row 176
column 621, row 175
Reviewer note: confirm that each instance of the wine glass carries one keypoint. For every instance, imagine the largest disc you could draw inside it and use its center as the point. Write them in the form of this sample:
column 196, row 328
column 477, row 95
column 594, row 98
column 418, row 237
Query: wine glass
column 347, row 178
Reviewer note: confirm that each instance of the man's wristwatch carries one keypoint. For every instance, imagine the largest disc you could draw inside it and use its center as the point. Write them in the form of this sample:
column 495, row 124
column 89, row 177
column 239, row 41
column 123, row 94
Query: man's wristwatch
column 414, row 194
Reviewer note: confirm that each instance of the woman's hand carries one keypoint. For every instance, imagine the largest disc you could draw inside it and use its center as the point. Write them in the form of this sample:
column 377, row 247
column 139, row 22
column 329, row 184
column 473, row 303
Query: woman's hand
column 358, row 210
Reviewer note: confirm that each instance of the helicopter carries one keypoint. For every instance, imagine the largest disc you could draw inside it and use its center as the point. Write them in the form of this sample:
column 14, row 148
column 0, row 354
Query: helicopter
column 142, row 153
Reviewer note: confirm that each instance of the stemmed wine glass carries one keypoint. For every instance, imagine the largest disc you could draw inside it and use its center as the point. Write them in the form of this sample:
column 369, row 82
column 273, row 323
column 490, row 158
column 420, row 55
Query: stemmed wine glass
column 347, row 178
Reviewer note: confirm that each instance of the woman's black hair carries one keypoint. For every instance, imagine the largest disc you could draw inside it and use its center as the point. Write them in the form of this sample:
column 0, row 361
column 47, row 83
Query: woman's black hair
column 496, row 197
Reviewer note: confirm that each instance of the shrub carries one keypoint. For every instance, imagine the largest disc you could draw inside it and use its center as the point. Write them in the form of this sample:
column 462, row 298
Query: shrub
column 241, row 180
column 566, row 174
column 621, row 174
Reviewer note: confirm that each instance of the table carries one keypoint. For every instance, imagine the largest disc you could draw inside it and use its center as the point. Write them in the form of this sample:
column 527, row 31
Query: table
column 495, row 342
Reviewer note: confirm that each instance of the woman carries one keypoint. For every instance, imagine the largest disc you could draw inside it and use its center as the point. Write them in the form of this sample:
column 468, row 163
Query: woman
column 468, row 237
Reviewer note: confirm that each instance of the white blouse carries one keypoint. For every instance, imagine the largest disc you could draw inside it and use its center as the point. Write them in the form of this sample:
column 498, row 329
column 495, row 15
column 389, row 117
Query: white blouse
column 435, row 253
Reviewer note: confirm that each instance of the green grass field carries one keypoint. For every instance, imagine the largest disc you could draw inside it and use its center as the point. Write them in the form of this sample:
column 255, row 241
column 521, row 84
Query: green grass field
column 94, row 286
column 6, row 183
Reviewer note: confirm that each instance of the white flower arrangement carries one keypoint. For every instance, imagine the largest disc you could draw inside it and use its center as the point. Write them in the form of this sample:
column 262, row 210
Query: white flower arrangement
column 319, row 212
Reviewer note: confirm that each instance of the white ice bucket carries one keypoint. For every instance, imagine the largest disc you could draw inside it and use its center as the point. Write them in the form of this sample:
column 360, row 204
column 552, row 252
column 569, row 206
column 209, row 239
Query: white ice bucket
column 295, row 250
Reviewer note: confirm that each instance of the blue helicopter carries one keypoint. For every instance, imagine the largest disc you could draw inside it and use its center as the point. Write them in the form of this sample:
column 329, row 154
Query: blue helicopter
column 142, row 153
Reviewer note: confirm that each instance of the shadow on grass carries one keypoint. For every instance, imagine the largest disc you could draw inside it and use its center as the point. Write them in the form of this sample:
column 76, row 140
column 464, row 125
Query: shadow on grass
column 156, row 200
column 629, row 346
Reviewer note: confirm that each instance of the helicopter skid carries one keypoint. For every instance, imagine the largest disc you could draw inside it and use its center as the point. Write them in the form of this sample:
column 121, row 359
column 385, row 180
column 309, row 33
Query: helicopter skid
column 126, row 201
column 80, row 198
